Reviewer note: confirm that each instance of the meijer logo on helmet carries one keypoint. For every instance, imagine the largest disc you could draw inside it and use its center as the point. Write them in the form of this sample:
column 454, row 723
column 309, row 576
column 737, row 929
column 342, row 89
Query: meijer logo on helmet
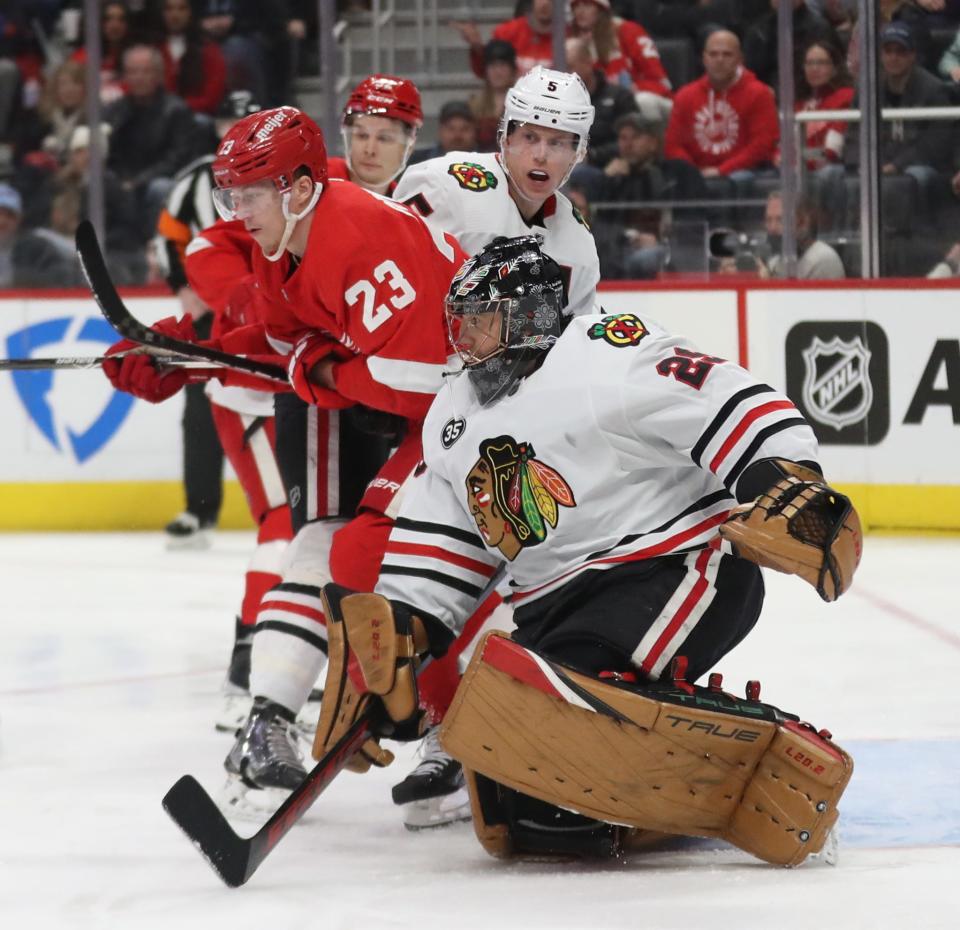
column 273, row 122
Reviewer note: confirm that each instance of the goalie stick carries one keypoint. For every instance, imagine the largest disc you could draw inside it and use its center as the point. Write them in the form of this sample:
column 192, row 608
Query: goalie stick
column 119, row 317
column 232, row 857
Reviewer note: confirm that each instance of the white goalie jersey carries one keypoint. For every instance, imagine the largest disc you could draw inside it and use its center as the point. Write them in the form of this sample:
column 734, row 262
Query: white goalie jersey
column 627, row 444
column 467, row 194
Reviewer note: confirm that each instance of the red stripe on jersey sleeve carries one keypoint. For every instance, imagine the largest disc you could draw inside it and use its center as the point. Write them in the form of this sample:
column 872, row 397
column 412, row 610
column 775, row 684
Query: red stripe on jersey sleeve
column 443, row 555
column 744, row 425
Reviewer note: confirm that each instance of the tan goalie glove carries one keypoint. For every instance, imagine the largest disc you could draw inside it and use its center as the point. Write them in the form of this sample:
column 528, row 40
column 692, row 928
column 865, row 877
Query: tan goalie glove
column 373, row 654
column 800, row 526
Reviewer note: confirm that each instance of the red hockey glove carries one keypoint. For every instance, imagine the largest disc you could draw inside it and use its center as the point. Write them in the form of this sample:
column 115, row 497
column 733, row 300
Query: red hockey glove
column 138, row 374
column 311, row 349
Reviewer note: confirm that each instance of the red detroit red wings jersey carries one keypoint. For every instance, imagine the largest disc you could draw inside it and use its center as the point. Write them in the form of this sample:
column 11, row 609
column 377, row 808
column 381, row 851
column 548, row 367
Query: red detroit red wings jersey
column 373, row 278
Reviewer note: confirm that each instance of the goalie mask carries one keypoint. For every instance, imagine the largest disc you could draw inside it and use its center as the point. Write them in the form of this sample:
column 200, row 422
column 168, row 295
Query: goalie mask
column 505, row 312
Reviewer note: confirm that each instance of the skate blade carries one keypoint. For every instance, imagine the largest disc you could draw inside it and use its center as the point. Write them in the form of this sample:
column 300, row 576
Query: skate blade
column 236, row 799
column 437, row 812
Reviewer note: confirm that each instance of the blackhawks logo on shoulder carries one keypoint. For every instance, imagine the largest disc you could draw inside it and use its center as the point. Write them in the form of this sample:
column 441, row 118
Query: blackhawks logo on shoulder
column 622, row 329
column 472, row 177
column 513, row 496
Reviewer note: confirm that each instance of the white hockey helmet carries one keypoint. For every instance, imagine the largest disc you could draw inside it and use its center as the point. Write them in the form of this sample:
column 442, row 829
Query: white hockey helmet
column 550, row 98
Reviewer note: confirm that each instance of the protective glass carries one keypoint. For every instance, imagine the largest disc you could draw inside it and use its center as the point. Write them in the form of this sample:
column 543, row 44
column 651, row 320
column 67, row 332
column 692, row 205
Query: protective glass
column 237, row 203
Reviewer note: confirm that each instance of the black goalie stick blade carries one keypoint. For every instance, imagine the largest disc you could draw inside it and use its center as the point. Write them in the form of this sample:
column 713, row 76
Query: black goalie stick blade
column 234, row 858
column 119, row 317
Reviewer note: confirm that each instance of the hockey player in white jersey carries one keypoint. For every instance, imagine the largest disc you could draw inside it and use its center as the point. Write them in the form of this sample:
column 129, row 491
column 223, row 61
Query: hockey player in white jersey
column 605, row 463
column 477, row 197
column 514, row 192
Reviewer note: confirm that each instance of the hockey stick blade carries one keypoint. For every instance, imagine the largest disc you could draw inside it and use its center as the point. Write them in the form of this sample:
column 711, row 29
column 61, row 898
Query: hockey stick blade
column 116, row 313
column 232, row 857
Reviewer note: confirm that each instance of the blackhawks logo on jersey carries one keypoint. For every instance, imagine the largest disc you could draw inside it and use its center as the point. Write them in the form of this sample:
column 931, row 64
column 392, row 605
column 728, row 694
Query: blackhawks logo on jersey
column 472, row 177
column 513, row 496
column 623, row 329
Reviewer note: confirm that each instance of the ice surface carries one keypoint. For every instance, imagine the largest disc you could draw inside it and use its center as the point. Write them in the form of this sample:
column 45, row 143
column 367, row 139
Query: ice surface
column 112, row 653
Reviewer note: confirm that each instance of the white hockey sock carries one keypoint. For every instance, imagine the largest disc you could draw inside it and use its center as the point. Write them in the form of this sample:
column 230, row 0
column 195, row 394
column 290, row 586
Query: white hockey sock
column 289, row 648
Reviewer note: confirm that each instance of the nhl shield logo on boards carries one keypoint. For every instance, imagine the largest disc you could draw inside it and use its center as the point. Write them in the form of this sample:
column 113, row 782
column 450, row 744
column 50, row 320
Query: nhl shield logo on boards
column 837, row 389
column 838, row 375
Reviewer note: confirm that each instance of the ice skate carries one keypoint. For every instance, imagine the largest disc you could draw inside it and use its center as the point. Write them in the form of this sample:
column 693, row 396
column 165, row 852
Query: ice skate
column 235, row 692
column 187, row 531
column 264, row 765
column 434, row 793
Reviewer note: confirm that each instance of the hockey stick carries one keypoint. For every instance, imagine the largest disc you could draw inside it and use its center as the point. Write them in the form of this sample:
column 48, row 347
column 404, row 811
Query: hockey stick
column 113, row 308
column 233, row 858
column 83, row 362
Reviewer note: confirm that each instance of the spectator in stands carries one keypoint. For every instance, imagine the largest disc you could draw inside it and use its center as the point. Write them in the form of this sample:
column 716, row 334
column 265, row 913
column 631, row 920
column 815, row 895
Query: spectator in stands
column 825, row 84
column 610, row 102
column 194, row 65
column 724, row 123
column 625, row 53
column 456, row 132
column 253, row 38
column 639, row 174
column 920, row 149
column 499, row 75
column 30, row 258
column 115, row 38
column 815, row 259
column 46, row 137
column 531, row 37
column 153, row 133
column 760, row 40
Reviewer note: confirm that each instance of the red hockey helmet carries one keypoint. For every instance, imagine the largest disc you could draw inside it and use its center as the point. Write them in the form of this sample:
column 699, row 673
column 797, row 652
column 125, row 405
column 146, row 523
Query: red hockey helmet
column 385, row 95
column 271, row 145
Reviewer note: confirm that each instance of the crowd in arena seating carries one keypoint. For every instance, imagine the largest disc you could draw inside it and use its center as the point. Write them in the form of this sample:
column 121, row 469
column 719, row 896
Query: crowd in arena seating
column 685, row 144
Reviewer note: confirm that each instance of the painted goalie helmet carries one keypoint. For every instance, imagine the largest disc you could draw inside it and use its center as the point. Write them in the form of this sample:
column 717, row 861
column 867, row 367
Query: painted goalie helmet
column 504, row 311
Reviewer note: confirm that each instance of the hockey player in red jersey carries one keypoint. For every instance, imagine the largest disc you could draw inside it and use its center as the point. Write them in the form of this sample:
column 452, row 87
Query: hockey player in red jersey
column 352, row 289
column 379, row 126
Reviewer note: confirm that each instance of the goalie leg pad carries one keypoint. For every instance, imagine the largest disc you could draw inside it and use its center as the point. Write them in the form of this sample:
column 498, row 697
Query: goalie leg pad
column 372, row 651
column 655, row 757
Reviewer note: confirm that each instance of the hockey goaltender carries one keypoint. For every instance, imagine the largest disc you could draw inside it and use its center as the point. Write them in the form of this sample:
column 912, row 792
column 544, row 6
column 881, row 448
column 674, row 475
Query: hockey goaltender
column 631, row 487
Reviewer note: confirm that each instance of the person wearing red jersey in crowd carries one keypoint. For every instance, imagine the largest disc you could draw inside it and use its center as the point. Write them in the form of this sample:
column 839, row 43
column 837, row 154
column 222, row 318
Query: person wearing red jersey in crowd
column 115, row 38
column 825, row 84
column 194, row 65
column 625, row 53
column 530, row 35
column 352, row 289
column 724, row 123
column 379, row 127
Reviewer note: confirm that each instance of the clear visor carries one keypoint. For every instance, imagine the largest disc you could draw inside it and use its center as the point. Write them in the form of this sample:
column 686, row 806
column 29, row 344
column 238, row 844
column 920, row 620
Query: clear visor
column 477, row 327
column 246, row 201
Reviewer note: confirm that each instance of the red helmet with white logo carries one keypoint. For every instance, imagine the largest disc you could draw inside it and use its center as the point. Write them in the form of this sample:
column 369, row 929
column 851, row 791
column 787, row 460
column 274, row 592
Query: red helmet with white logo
column 271, row 145
column 385, row 95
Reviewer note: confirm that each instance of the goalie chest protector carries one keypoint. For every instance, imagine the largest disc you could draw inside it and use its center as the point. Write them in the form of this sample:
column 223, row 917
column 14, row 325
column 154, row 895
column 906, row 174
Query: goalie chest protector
column 667, row 757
